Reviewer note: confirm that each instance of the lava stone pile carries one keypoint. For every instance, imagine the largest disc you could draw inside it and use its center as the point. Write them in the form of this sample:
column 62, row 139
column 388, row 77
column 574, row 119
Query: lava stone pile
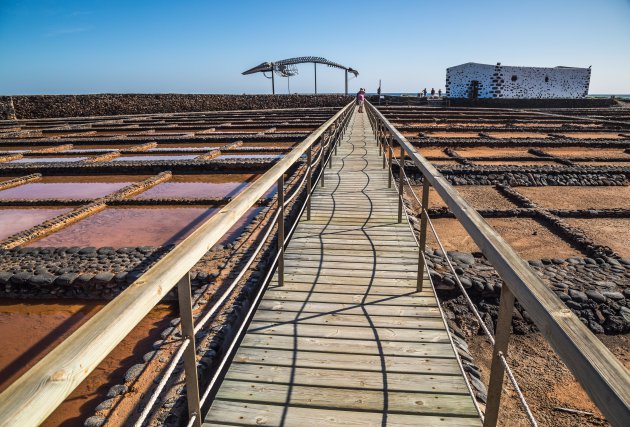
column 595, row 289
column 47, row 106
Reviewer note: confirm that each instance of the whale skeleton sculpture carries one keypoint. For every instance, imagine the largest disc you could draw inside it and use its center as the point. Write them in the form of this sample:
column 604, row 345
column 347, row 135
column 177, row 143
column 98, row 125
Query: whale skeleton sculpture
column 287, row 68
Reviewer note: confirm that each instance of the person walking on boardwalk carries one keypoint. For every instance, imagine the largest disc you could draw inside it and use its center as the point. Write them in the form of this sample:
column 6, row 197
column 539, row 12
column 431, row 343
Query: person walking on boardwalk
column 424, row 92
column 361, row 99
column 439, row 93
column 432, row 92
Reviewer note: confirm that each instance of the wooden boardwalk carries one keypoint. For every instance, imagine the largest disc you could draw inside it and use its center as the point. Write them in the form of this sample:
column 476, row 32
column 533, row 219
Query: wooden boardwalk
column 347, row 341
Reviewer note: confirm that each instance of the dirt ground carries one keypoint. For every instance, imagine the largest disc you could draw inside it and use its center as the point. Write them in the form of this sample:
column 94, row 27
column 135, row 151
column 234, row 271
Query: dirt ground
column 514, row 162
column 528, row 237
column 585, row 152
column 517, row 135
column 592, row 135
column 492, row 151
column 612, row 232
column 546, row 382
column 578, row 197
column 484, row 197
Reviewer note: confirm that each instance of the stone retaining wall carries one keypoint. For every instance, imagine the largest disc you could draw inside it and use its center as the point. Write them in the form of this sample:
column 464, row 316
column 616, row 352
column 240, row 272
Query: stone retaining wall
column 48, row 106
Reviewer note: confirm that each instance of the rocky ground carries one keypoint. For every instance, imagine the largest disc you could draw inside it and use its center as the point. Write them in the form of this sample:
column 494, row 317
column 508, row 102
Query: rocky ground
column 48, row 106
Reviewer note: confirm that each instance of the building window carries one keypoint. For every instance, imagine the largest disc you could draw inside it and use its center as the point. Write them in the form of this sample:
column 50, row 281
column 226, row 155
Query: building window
column 514, row 78
column 546, row 79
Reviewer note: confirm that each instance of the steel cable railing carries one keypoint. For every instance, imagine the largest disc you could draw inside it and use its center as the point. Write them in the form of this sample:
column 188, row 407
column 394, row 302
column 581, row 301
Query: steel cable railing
column 600, row 373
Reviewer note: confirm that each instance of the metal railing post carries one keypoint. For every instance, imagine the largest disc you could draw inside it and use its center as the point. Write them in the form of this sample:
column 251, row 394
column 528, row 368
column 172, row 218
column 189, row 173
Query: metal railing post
column 281, row 231
column 190, row 354
column 497, row 370
column 423, row 232
column 309, row 182
column 401, row 180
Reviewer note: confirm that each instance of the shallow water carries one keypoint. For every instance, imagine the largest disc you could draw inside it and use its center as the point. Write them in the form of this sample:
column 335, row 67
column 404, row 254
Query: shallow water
column 13, row 220
column 249, row 156
column 154, row 157
column 133, row 226
column 193, row 190
column 47, row 159
column 65, row 190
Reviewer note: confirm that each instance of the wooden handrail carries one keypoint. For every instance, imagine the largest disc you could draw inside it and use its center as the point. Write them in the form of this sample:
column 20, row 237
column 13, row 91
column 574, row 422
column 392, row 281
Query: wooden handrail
column 600, row 373
column 36, row 394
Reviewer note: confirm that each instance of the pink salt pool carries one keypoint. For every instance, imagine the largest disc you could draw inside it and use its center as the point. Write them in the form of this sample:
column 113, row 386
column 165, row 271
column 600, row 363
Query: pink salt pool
column 195, row 190
column 47, row 159
column 120, row 227
column 62, row 190
column 151, row 158
column 14, row 220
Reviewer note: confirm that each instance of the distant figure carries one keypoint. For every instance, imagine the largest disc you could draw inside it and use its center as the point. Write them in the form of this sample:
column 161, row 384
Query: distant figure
column 361, row 99
column 424, row 92
column 440, row 93
column 432, row 92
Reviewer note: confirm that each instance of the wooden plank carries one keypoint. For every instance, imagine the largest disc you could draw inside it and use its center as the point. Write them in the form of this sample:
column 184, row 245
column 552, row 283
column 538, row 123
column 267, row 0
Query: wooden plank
column 348, row 399
column 350, row 289
column 338, row 277
column 339, row 345
column 363, row 264
column 348, row 332
column 249, row 413
column 367, row 380
column 278, row 294
column 344, row 319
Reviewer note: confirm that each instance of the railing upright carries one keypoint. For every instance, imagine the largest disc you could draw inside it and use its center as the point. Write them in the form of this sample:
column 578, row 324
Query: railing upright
column 190, row 353
column 497, row 370
column 423, row 233
column 281, row 231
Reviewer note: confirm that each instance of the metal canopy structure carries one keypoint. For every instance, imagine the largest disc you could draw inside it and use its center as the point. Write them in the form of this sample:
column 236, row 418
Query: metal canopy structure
column 287, row 68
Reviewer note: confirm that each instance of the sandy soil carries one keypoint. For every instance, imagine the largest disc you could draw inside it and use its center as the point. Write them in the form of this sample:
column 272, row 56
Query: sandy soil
column 528, row 237
column 592, row 135
column 612, row 232
column 435, row 201
column 484, row 197
column 546, row 382
column 452, row 134
column 602, row 164
column 517, row 135
column 513, row 162
column 492, row 151
column 578, row 197
column 585, row 152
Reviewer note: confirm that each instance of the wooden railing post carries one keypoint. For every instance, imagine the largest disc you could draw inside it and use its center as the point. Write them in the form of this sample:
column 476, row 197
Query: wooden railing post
column 309, row 182
column 384, row 152
column 423, row 232
column 281, row 231
column 190, row 354
column 401, row 181
column 497, row 370
column 389, row 175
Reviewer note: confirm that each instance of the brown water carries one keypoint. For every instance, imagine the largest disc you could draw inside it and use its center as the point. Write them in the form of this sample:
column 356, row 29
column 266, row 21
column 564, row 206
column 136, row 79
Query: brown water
column 47, row 159
column 132, row 226
column 48, row 323
column 13, row 220
column 65, row 190
column 249, row 156
column 149, row 157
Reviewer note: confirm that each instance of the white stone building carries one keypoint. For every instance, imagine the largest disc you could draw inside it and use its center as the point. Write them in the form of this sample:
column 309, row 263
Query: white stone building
column 472, row 80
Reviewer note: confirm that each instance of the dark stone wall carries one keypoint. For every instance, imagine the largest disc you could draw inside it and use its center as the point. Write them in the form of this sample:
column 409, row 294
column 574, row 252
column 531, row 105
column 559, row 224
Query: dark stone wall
column 532, row 103
column 48, row 106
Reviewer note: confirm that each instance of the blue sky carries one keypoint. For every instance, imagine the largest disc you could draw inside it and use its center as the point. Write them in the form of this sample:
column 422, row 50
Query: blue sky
column 203, row 46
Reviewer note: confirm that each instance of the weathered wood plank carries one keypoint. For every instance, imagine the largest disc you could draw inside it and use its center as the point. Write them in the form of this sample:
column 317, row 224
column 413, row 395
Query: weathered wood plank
column 368, row 380
column 347, row 399
column 241, row 414
column 340, row 345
